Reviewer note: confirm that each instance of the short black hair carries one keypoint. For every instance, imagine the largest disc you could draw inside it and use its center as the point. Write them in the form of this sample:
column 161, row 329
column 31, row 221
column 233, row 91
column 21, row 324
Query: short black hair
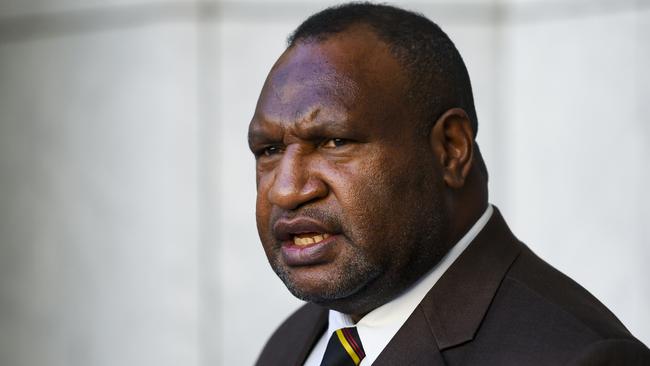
column 436, row 71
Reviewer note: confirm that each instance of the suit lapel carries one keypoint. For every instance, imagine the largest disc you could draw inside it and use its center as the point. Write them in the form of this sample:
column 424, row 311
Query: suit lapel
column 310, row 333
column 451, row 313
column 414, row 344
column 456, row 305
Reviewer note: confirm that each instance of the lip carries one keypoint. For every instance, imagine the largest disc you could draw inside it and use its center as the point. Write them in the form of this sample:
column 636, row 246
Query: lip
column 311, row 254
column 305, row 255
column 284, row 230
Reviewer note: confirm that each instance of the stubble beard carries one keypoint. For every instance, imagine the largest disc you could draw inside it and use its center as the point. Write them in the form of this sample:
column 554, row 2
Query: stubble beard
column 344, row 290
column 350, row 279
column 362, row 283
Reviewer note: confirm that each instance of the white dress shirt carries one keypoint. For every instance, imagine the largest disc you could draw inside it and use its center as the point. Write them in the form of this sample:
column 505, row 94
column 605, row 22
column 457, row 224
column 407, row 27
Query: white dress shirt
column 379, row 326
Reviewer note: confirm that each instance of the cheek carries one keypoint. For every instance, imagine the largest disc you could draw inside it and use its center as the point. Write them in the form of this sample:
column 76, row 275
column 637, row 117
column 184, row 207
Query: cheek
column 264, row 180
column 363, row 192
column 379, row 183
column 384, row 201
column 263, row 207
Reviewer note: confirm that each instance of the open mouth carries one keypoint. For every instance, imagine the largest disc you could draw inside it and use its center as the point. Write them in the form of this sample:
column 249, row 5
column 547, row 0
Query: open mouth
column 309, row 238
column 309, row 248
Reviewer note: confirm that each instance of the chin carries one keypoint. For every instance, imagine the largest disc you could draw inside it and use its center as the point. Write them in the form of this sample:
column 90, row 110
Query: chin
column 332, row 290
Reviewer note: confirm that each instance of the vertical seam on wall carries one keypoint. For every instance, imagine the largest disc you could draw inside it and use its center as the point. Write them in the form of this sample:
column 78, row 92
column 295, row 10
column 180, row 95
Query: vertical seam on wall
column 210, row 307
column 499, row 119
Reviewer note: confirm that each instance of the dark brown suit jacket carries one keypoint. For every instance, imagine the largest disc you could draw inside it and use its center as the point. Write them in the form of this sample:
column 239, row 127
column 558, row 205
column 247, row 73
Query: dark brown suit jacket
column 498, row 304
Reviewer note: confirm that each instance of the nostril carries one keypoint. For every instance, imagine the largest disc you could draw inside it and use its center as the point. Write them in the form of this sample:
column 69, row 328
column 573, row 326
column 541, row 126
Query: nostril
column 292, row 192
column 315, row 188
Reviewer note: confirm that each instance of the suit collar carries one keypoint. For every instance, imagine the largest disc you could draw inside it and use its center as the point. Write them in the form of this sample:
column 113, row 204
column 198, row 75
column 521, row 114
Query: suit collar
column 312, row 332
column 414, row 344
column 456, row 305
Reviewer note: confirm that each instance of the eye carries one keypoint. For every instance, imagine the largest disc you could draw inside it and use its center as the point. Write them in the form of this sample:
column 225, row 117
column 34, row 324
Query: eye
column 334, row 143
column 270, row 150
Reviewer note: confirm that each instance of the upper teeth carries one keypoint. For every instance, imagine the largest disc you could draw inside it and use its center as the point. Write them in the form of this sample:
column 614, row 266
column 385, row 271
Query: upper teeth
column 306, row 240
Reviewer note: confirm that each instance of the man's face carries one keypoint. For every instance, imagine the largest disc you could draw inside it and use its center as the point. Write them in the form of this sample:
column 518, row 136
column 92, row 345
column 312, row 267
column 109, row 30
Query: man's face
column 348, row 191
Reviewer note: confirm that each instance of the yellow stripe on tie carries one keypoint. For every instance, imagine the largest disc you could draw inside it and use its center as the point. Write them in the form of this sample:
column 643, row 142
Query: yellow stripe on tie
column 347, row 347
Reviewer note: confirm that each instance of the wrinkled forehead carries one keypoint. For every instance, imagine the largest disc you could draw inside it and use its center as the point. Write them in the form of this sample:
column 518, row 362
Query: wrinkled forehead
column 308, row 77
column 346, row 73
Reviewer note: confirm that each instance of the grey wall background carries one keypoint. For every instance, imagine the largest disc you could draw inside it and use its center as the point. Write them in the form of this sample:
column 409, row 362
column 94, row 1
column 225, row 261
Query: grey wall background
column 127, row 230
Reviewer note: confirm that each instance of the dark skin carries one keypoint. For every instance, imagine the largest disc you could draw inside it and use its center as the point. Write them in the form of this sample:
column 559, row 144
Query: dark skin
column 354, row 201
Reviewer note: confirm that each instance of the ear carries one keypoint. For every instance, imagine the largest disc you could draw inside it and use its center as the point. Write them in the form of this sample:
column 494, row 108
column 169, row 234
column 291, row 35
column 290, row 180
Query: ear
column 452, row 141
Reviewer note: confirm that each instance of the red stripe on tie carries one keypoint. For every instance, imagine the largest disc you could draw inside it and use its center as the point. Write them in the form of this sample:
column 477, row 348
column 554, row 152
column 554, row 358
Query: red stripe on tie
column 360, row 352
column 353, row 343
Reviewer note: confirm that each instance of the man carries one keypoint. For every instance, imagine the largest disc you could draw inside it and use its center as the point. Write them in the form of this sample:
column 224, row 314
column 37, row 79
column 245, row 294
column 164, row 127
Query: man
column 373, row 207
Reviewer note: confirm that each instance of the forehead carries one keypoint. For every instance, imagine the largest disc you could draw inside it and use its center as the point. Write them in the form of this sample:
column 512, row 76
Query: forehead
column 347, row 74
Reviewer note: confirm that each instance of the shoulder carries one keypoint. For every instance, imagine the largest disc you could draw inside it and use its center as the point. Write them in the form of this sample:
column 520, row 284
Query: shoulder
column 541, row 316
column 613, row 352
column 552, row 295
column 295, row 335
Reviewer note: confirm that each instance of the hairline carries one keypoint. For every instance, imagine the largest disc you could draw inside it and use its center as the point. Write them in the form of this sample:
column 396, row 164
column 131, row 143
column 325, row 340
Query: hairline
column 424, row 122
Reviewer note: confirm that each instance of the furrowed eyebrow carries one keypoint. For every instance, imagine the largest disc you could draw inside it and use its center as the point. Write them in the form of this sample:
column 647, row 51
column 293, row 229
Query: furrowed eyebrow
column 320, row 122
column 323, row 127
column 257, row 134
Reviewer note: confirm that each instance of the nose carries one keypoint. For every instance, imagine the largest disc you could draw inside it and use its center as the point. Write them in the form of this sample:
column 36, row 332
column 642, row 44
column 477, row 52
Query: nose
column 295, row 183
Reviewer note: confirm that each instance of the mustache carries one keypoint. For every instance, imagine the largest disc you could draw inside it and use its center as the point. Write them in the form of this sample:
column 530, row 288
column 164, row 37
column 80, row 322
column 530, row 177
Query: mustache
column 330, row 220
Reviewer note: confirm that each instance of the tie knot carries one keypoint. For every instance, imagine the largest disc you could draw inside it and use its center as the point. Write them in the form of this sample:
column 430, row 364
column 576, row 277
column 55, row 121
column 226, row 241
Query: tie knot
column 344, row 348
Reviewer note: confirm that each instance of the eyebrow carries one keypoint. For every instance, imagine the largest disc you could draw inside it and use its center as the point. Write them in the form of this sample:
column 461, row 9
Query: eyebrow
column 323, row 126
column 257, row 133
column 310, row 125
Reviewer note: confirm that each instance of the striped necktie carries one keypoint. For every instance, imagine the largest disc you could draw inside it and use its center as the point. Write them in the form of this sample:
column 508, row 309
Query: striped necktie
column 344, row 349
